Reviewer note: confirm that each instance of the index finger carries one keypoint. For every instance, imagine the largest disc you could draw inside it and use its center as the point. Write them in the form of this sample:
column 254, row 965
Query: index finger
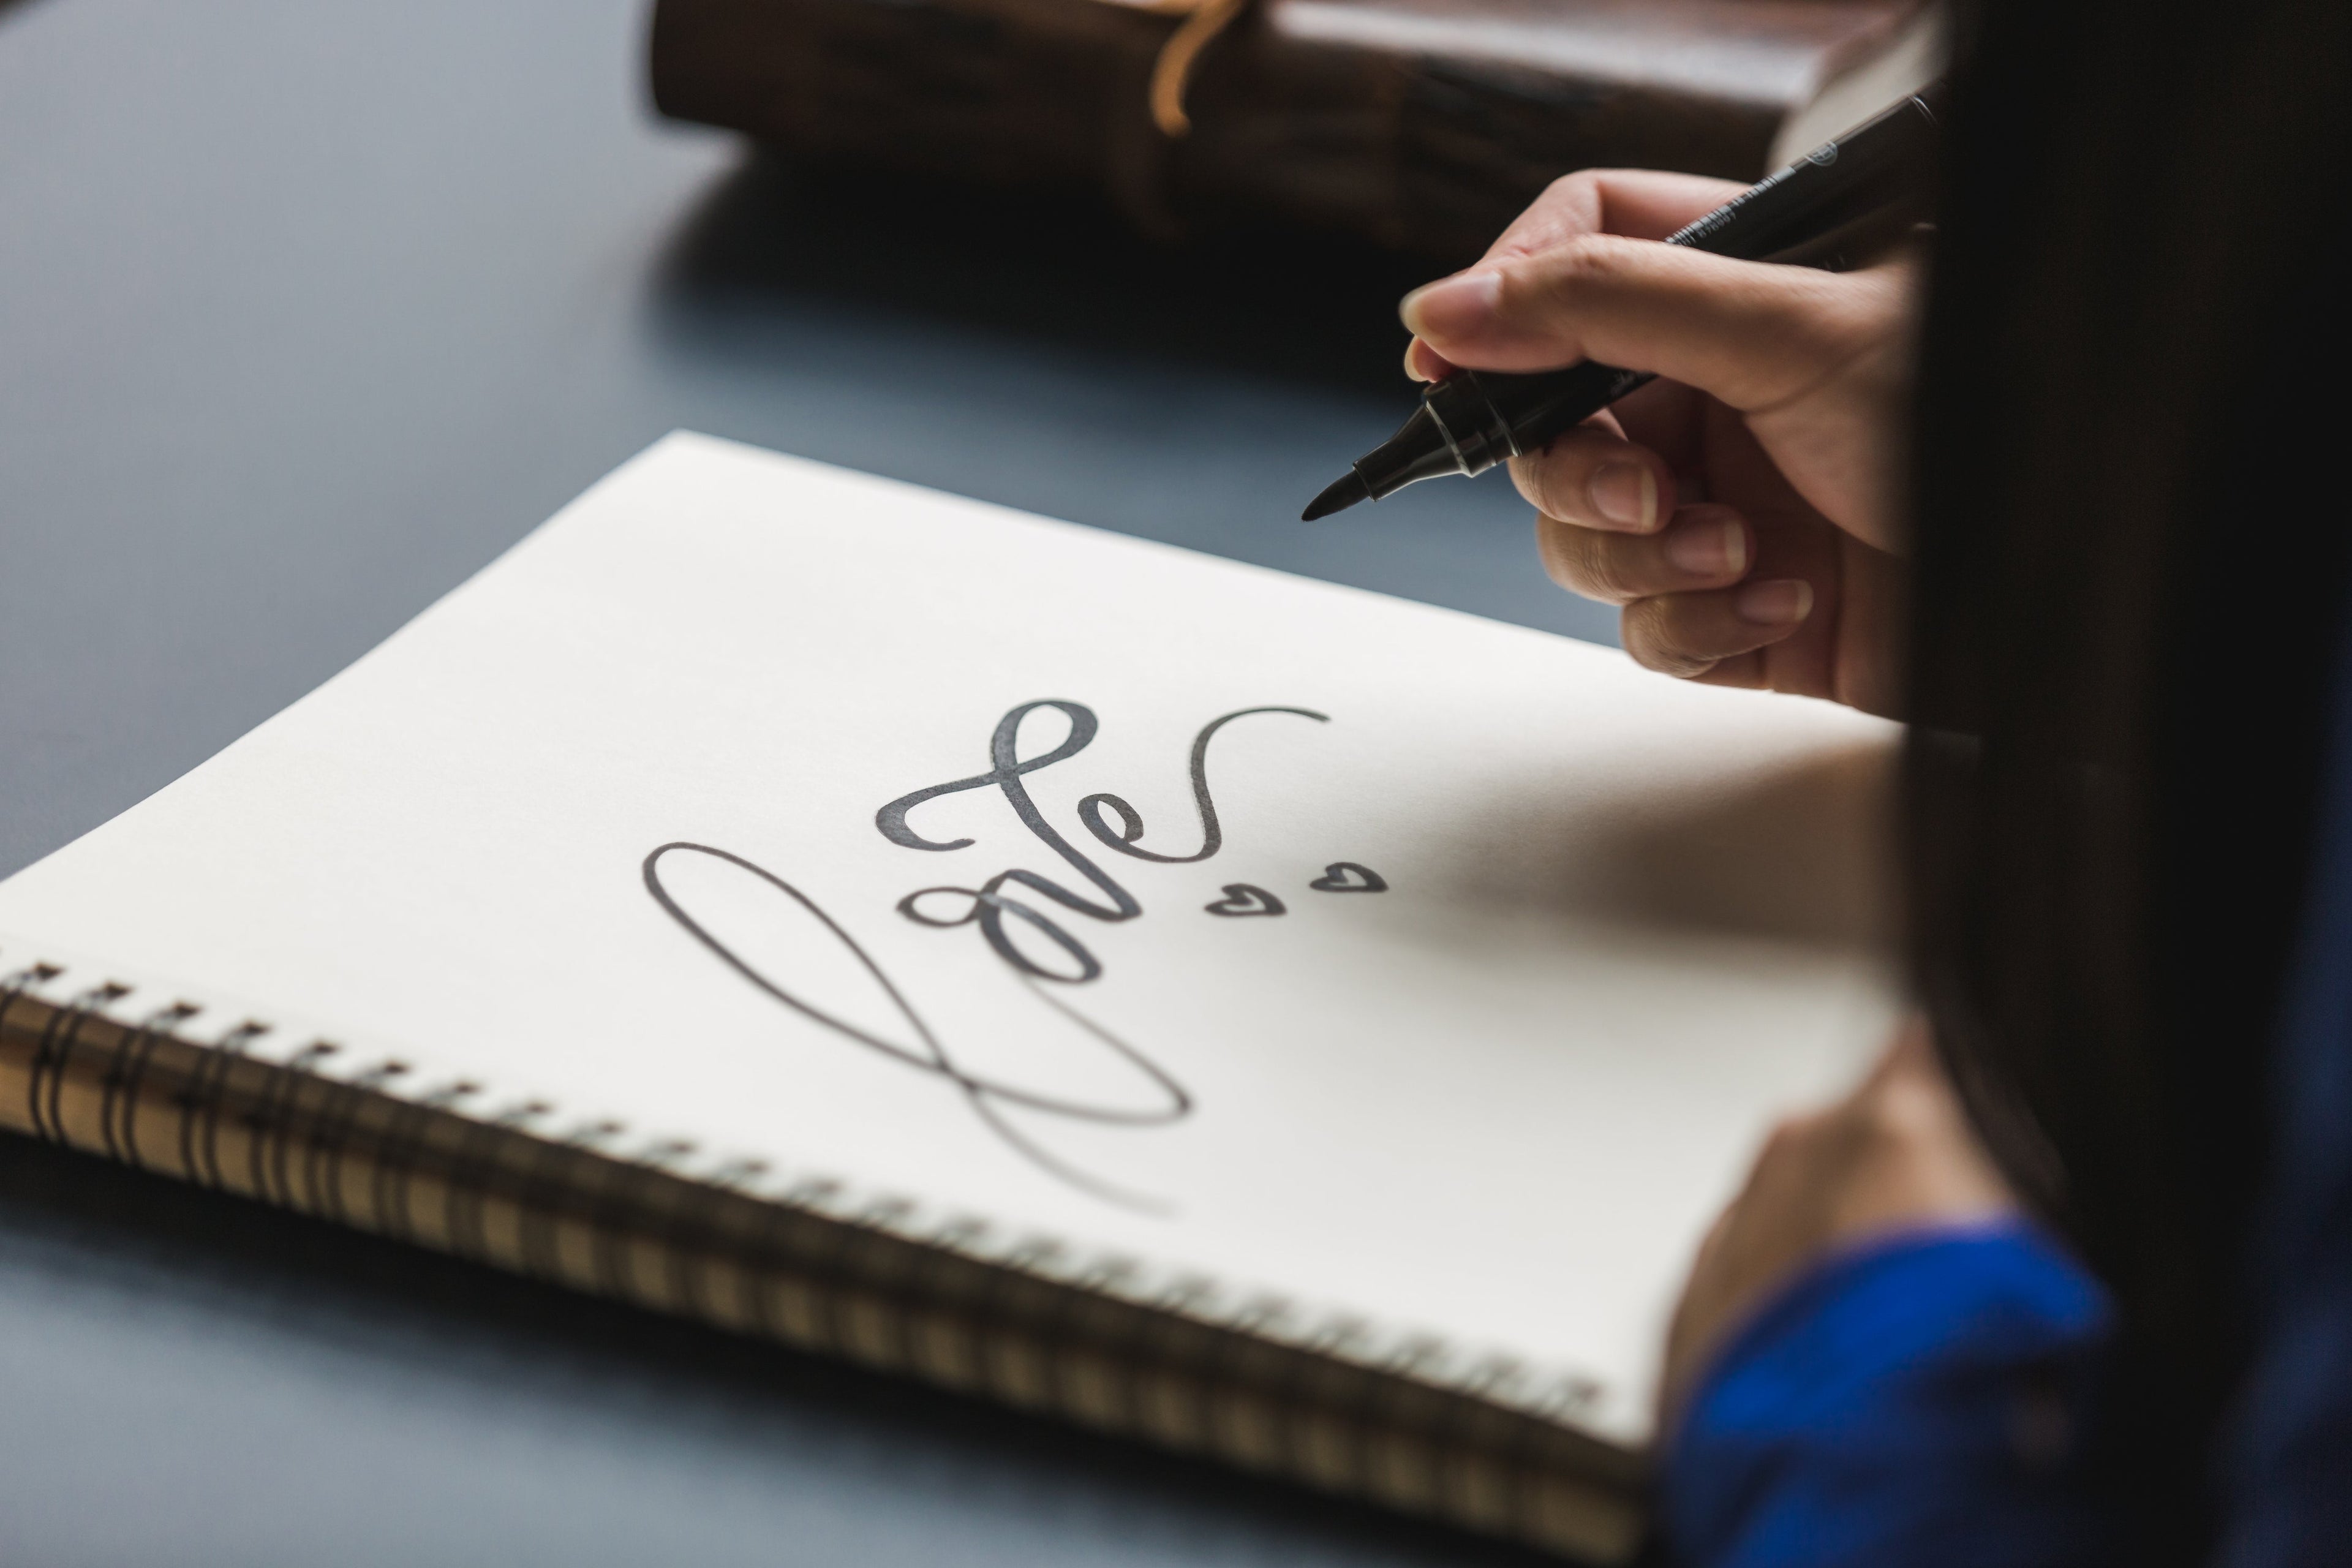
column 1640, row 203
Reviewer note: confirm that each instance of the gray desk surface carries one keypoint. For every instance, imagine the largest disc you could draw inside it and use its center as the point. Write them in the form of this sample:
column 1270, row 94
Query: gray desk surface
column 307, row 311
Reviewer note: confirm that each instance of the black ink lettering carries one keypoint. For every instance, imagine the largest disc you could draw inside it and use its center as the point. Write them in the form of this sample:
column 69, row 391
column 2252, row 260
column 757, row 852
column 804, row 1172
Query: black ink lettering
column 1241, row 899
column 1005, row 774
column 991, row 907
column 1054, row 956
column 987, row 903
column 1130, row 822
column 924, row 1051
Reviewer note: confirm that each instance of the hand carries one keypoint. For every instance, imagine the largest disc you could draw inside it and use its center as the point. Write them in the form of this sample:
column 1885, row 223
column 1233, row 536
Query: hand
column 1896, row 1155
column 1743, row 507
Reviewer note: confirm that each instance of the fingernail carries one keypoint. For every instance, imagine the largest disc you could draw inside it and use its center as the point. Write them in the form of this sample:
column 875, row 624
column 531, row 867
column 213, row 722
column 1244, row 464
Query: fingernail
column 1707, row 549
column 1413, row 371
column 1781, row 602
column 1626, row 494
column 1452, row 307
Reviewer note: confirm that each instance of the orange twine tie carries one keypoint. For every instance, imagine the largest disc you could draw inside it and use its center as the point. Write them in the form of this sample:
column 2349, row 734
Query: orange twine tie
column 1204, row 20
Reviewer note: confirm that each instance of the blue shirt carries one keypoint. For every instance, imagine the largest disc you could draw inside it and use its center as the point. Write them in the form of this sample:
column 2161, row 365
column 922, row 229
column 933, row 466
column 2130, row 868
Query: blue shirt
column 1917, row 1402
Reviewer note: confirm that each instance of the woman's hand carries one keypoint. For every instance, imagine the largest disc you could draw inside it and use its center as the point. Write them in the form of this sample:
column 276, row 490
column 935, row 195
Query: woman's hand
column 1896, row 1155
column 1744, row 506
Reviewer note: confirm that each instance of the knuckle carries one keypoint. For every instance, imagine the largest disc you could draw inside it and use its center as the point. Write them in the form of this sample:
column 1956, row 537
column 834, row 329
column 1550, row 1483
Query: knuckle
column 1585, row 563
column 1554, row 480
column 1613, row 580
column 1572, row 189
column 1586, row 261
column 1646, row 629
column 1570, row 204
column 1542, row 285
column 1532, row 477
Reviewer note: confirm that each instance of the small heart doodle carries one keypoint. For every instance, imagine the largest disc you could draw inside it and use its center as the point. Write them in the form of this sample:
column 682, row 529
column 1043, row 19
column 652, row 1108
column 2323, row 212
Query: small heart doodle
column 1241, row 899
column 1346, row 877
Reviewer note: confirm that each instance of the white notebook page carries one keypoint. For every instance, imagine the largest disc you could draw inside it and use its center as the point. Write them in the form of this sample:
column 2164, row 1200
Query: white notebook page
column 1582, row 930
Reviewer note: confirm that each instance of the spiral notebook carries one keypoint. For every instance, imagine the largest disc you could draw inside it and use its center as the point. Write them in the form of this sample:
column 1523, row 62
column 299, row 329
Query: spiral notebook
column 1260, row 1017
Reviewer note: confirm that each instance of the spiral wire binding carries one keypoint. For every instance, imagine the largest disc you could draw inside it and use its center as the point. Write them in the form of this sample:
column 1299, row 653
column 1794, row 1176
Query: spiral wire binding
column 1406, row 1420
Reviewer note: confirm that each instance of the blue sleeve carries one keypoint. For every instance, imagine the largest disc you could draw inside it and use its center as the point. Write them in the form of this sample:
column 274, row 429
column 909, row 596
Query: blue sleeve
column 1914, row 1402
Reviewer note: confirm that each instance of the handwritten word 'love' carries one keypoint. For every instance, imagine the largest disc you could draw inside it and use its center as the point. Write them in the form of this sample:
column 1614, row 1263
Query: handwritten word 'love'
column 1114, row 824
column 989, row 904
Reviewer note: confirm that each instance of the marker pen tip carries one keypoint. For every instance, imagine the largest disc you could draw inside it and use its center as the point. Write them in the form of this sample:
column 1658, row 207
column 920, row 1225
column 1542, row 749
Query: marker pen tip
column 1341, row 494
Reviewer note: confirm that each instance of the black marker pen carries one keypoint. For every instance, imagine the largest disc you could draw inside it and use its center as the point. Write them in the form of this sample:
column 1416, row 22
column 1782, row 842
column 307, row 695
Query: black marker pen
column 1830, row 209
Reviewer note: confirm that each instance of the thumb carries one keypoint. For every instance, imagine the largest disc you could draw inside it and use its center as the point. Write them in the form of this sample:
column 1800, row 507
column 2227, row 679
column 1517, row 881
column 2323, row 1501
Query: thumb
column 1751, row 333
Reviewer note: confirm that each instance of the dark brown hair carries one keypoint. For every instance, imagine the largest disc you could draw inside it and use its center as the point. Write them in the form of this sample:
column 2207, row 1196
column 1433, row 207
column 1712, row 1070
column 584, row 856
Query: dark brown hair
column 2131, row 561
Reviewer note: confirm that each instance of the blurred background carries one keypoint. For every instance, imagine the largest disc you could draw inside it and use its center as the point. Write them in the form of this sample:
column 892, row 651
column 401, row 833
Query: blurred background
column 307, row 311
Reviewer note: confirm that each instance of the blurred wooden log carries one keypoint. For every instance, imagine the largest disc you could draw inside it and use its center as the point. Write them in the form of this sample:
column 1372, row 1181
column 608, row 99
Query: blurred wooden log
column 1421, row 124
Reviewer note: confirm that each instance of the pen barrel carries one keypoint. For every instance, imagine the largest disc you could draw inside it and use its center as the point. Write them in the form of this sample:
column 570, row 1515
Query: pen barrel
column 1507, row 415
column 1876, row 168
